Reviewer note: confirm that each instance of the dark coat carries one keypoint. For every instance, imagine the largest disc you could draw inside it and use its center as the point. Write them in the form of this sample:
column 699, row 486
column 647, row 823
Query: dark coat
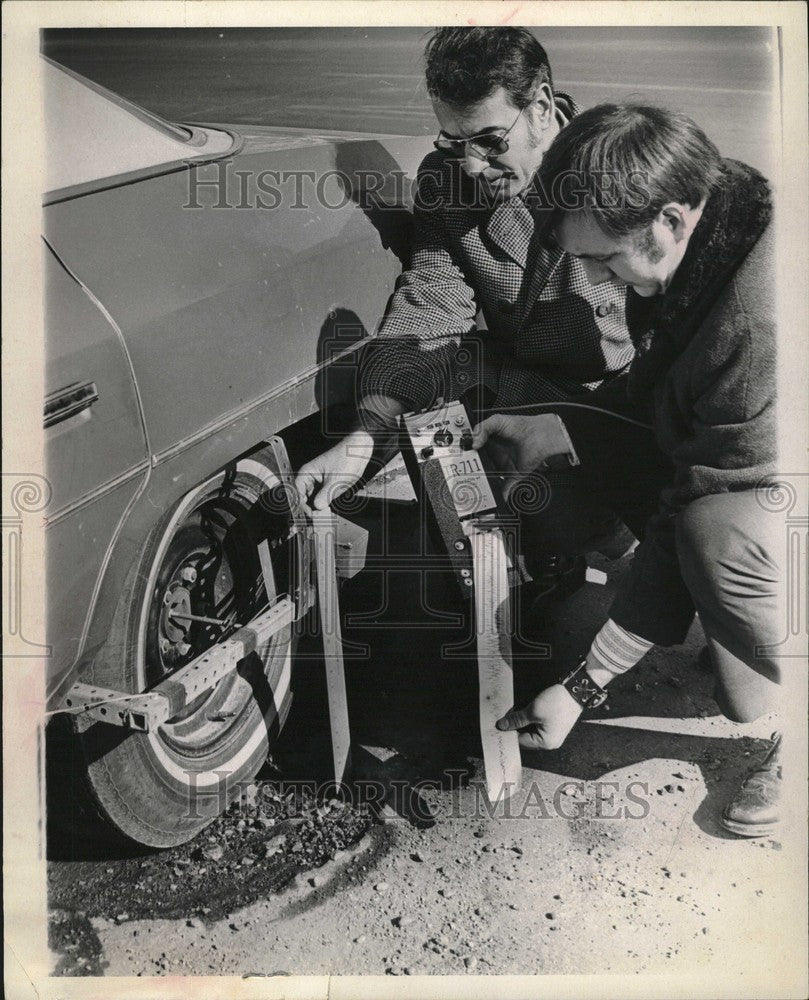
column 547, row 332
column 704, row 373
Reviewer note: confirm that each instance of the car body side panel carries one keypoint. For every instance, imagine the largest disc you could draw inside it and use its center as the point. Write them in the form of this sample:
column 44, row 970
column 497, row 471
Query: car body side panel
column 95, row 459
column 221, row 306
column 77, row 549
column 106, row 441
column 230, row 317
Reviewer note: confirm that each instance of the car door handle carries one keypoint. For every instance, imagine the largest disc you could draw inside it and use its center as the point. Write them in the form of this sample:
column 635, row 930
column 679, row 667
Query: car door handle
column 67, row 402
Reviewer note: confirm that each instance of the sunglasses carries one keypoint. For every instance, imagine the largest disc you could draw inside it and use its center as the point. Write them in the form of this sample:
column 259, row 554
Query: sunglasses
column 485, row 145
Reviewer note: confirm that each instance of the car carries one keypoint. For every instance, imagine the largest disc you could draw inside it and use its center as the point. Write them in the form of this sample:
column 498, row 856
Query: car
column 208, row 290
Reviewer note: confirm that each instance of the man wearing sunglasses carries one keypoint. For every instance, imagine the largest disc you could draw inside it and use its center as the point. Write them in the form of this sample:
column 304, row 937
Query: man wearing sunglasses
column 485, row 311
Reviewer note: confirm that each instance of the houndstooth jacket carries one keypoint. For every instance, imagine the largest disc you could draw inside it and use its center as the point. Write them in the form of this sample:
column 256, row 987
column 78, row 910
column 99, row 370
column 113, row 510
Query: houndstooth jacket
column 483, row 302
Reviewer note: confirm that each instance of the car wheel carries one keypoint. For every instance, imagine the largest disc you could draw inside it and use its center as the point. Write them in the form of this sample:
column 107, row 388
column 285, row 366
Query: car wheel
column 160, row 788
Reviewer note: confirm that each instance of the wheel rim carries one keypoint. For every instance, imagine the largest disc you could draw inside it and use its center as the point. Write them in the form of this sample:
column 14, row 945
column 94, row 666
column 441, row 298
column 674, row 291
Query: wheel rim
column 207, row 566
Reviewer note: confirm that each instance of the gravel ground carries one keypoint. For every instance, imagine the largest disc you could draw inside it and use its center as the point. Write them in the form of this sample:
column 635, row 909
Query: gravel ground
column 609, row 859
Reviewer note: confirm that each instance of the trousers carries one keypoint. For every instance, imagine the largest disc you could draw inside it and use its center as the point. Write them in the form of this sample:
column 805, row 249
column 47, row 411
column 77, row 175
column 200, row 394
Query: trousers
column 725, row 552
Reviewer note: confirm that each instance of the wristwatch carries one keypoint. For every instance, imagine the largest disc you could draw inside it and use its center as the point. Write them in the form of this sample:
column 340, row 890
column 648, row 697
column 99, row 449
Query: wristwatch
column 581, row 686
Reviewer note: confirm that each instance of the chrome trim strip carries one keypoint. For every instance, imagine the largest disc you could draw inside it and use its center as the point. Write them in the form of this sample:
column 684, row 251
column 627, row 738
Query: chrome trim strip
column 143, row 173
column 97, row 493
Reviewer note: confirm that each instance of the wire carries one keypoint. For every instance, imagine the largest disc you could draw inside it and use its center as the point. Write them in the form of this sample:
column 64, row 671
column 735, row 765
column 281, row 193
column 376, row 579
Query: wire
column 580, row 406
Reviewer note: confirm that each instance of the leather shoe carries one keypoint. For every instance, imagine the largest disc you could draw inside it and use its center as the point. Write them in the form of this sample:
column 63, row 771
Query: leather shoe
column 755, row 809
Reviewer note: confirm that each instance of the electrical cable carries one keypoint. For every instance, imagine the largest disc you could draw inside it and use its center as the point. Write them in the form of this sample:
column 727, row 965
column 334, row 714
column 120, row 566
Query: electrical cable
column 580, row 406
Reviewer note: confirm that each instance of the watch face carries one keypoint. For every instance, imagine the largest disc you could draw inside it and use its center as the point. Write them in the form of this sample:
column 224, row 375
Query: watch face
column 597, row 699
column 587, row 692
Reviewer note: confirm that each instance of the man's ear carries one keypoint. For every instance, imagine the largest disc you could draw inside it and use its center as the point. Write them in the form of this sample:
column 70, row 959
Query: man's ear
column 675, row 217
column 544, row 104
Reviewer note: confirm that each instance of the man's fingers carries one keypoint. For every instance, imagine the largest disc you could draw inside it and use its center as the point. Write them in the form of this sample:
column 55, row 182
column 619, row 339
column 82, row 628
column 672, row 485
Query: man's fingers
column 488, row 428
column 532, row 739
column 515, row 719
column 321, row 501
column 304, row 483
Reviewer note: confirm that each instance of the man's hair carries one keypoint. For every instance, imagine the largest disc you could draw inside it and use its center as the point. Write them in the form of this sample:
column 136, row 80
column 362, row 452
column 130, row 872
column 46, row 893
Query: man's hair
column 623, row 162
column 464, row 65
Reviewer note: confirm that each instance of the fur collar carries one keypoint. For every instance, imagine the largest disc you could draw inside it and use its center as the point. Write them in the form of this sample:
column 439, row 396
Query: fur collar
column 735, row 215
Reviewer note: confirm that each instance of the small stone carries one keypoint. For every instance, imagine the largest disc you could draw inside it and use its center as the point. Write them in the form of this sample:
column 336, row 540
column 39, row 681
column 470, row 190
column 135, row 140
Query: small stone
column 416, row 856
column 513, row 906
column 214, row 853
column 470, row 961
column 121, row 918
column 195, row 922
column 360, row 939
column 381, row 887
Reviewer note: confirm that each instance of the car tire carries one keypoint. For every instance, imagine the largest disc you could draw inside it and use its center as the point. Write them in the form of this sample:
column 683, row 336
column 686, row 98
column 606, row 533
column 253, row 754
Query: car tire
column 161, row 788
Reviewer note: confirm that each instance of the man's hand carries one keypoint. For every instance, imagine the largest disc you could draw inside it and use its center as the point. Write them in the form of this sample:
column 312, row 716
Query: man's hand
column 520, row 444
column 336, row 470
column 546, row 720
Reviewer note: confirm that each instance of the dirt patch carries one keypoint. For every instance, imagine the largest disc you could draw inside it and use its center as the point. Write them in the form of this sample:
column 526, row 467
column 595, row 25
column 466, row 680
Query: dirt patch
column 73, row 938
column 264, row 839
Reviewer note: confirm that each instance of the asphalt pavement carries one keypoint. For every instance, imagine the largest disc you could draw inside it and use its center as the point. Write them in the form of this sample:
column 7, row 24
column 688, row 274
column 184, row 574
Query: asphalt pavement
column 371, row 79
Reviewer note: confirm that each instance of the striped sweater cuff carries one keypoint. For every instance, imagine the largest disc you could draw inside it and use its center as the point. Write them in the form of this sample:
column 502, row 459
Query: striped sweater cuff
column 616, row 650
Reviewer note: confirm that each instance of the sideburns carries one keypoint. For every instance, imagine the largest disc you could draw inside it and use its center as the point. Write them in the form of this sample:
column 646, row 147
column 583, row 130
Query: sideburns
column 646, row 244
